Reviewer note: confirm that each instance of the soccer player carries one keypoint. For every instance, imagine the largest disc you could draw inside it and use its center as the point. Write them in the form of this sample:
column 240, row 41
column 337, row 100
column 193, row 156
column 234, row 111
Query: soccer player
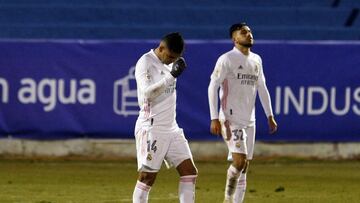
column 158, row 136
column 239, row 74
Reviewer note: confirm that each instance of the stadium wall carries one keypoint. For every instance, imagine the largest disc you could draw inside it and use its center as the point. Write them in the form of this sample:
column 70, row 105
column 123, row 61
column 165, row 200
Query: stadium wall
column 125, row 149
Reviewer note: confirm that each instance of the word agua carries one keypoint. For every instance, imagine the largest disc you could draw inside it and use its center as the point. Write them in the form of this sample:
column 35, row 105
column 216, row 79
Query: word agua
column 49, row 92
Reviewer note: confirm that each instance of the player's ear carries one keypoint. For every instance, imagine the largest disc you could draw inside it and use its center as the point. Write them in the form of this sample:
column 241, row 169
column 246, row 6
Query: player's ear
column 233, row 37
column 161, row 46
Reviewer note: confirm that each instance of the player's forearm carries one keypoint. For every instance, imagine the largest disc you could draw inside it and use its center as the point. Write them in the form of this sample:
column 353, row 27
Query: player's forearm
column 265, row 100
column 155, row 90
column 213, row 99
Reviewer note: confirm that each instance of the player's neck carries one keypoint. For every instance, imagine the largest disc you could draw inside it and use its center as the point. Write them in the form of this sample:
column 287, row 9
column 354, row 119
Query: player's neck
column 243, row 49
column 156, row 51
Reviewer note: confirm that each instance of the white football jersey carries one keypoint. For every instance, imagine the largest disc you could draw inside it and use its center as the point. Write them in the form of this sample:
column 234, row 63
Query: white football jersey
column 240, row 77
column 156, row 90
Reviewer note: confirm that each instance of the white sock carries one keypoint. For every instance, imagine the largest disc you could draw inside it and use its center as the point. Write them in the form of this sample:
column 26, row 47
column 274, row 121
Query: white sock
column 187, row 189
column 240, row 189
column 231, row 180
column 141, row 193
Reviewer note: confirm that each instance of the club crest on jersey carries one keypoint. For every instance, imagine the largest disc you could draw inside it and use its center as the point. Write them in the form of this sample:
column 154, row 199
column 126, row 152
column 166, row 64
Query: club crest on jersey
column 238, row 144
column 148, row 75
column 256, row 69
column 149, row 157
column 216, row 72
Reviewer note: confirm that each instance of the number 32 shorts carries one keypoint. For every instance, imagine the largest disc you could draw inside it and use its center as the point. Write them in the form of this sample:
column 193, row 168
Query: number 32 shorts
column 239, row 139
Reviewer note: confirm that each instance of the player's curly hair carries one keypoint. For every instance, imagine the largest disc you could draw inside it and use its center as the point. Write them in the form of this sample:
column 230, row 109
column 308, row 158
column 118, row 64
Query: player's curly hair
column 174, row 41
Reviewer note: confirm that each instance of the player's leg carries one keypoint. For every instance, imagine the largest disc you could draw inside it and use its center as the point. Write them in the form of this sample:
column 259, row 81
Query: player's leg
column 143, row 186
column 186, row 168
column 179, row 155
column 236, row 143
column 188, row 175
column 151, row 149
column 242, row 182
column 241, row 185
column 233, row 173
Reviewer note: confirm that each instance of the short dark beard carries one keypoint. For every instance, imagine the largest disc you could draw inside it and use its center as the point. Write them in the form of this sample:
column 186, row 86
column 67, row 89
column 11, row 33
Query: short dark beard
column 247, row 45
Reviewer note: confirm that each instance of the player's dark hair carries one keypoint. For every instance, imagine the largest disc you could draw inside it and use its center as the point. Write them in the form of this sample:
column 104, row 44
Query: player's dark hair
column 236, row 26
column 174, row 41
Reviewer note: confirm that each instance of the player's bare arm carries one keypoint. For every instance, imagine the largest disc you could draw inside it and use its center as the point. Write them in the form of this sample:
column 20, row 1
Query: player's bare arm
column 215, row 127
column 272, row 125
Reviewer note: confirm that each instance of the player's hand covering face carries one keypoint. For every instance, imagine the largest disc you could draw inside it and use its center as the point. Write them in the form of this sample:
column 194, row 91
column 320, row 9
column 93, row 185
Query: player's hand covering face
column 178, row 67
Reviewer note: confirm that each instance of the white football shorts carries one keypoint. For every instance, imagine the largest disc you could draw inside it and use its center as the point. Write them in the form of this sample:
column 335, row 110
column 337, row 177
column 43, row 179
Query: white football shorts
column 154, row 146
column 239, row 139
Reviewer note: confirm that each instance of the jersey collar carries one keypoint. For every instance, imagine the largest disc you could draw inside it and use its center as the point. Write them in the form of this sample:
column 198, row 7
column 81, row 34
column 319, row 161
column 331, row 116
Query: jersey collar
column 238, row 51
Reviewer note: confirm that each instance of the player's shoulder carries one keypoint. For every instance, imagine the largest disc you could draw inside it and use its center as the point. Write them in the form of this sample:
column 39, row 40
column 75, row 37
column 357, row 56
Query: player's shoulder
column 226, row 56
column 146, row 58
column 256, row 56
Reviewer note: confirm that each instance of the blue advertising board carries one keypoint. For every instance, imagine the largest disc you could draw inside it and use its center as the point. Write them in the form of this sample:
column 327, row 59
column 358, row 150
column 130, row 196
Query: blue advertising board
column 86, row 89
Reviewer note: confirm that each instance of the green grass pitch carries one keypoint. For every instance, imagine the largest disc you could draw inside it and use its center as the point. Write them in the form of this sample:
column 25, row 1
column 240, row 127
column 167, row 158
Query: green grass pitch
column 277, row 180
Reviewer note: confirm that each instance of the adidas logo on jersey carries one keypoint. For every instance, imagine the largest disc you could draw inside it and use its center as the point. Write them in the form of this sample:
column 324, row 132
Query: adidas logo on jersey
column 162, row 73
column 240, row 67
